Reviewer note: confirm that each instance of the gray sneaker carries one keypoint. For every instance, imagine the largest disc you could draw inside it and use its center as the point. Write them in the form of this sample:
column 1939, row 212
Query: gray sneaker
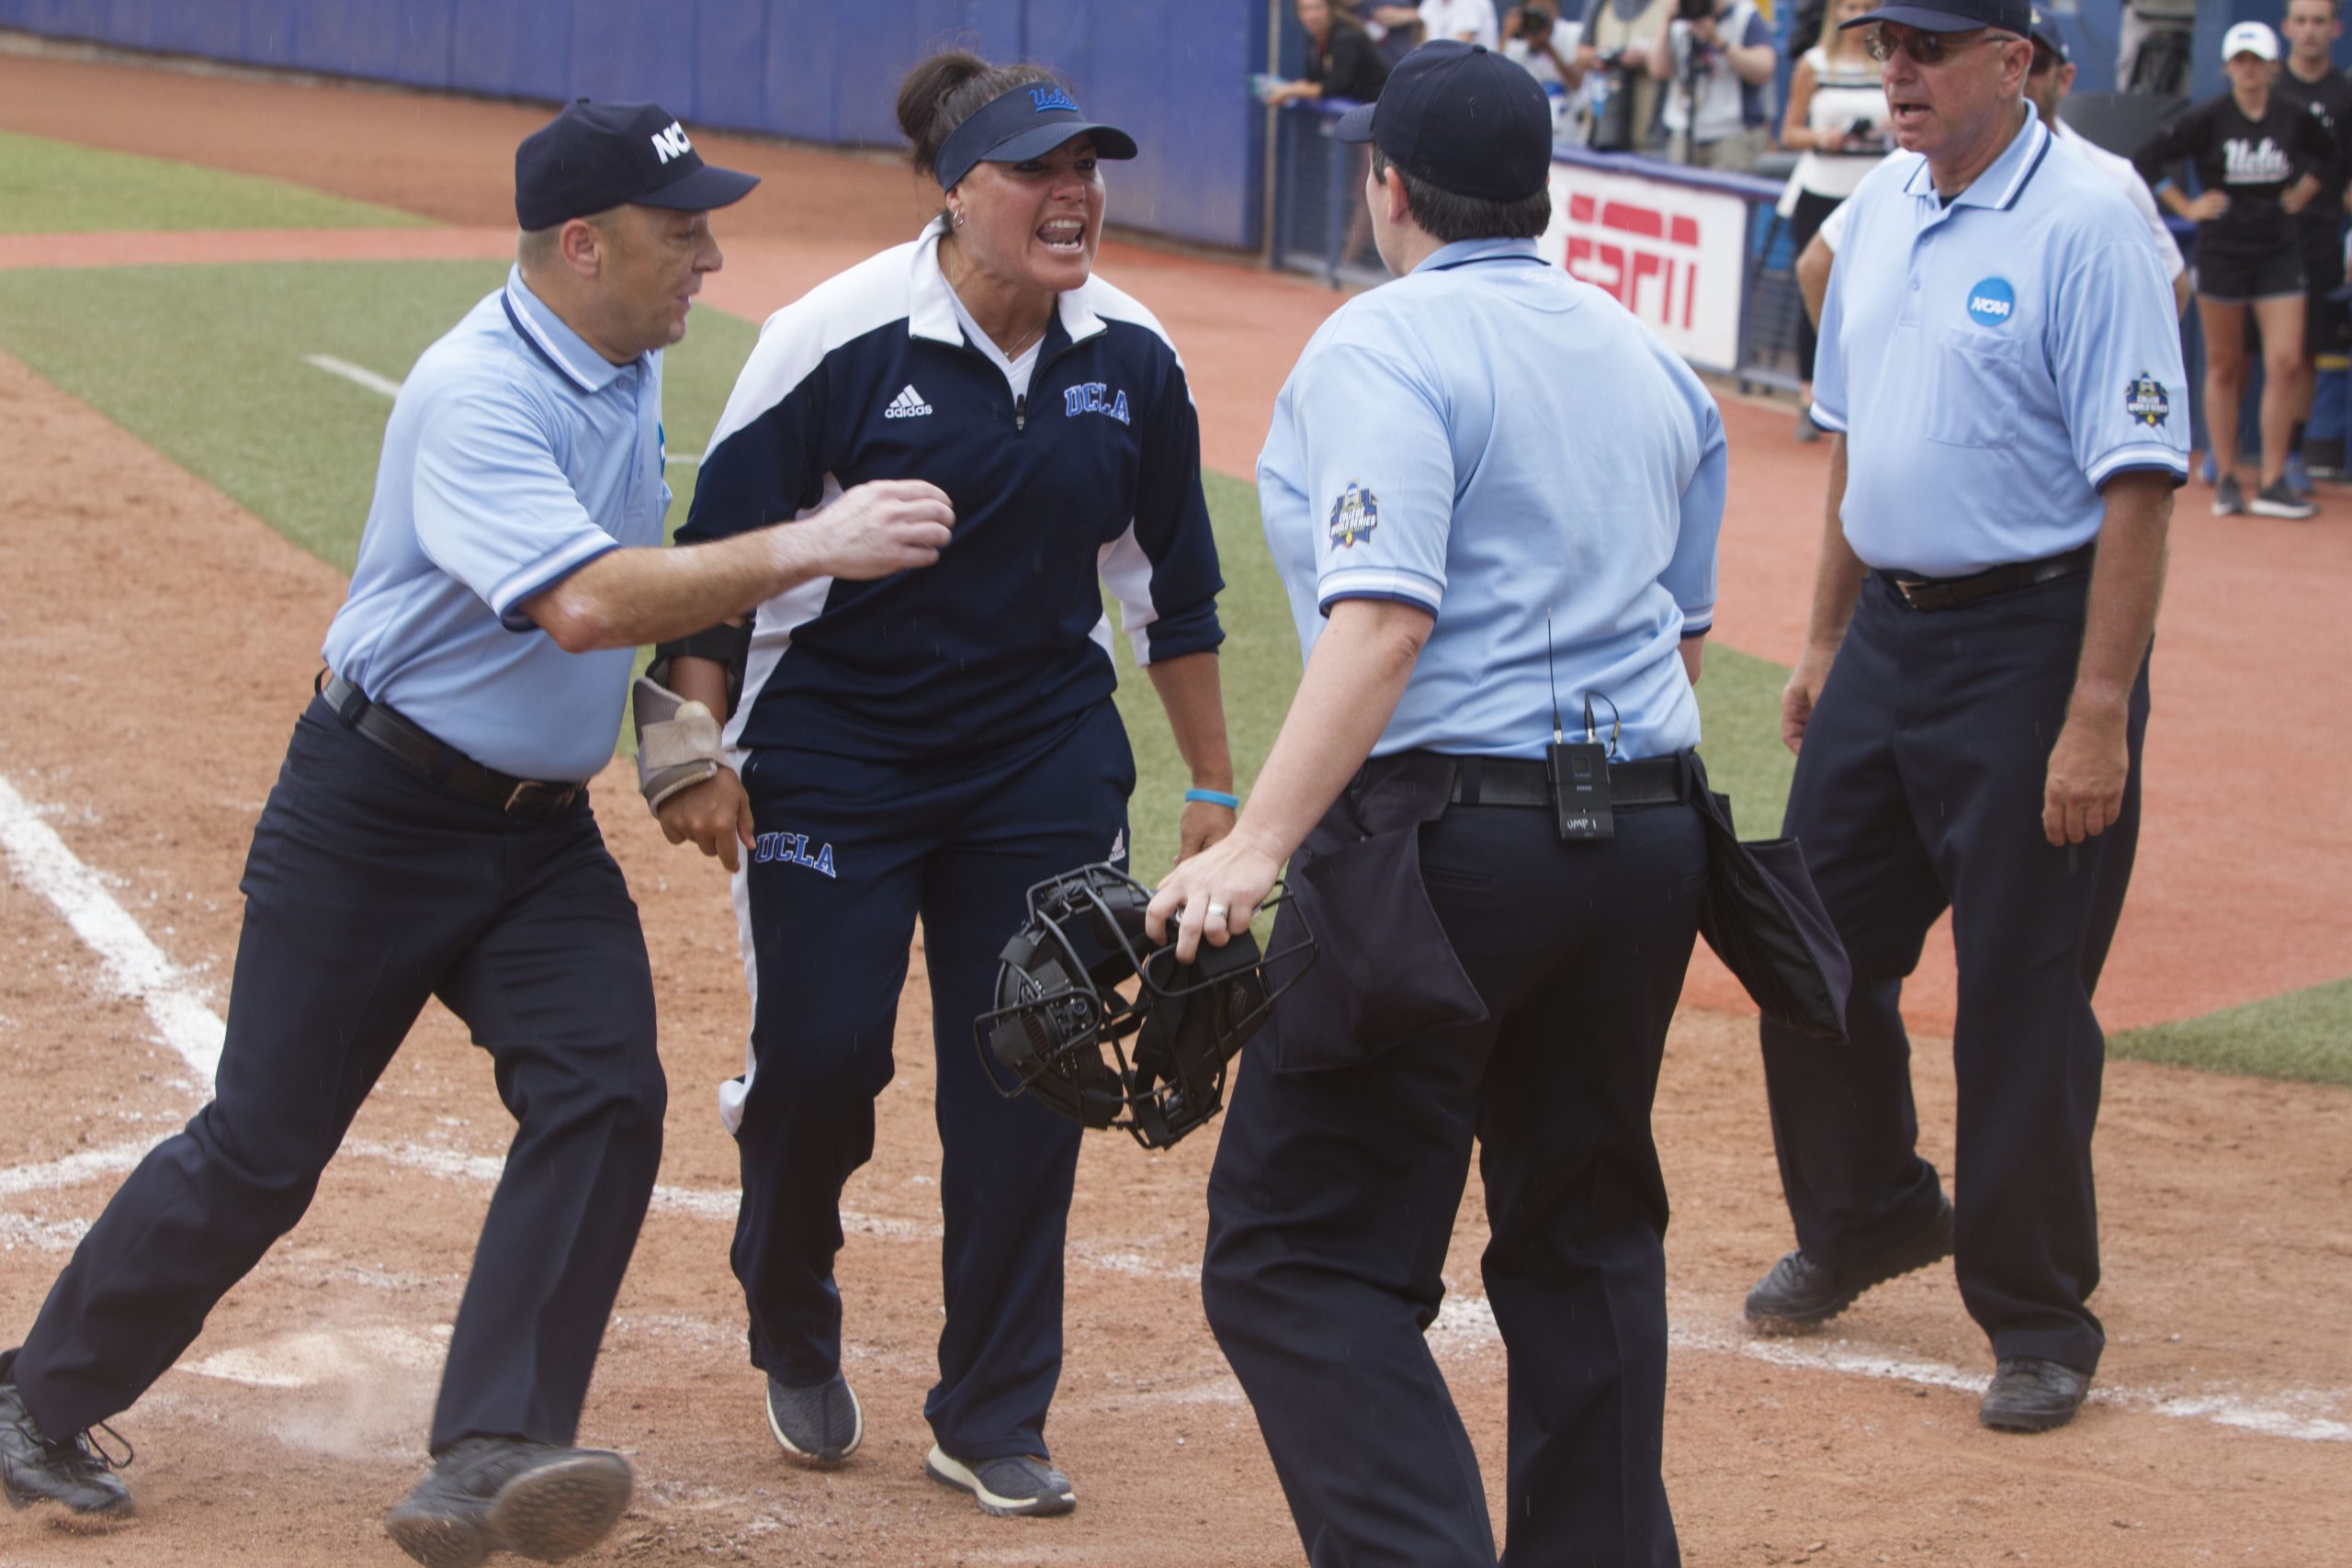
column 486, row 1495
column 73, row 1472
column 2278, row 500
column 2229, row 500
column 822, row 1425
column 1017, row 1485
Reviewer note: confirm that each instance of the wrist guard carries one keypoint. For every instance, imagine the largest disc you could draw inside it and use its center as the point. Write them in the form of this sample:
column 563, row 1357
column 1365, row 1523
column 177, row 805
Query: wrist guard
column 677, row 742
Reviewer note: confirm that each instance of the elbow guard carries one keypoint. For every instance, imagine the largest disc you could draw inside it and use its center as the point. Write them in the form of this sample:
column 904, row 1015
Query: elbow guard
column 729, row 646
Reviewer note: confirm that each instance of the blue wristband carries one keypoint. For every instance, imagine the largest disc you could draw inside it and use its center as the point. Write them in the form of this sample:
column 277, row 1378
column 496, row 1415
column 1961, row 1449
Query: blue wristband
column 1214, row 797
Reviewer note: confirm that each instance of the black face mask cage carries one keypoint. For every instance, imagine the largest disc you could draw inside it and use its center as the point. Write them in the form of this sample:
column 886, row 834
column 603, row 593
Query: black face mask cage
column 1057, row 1014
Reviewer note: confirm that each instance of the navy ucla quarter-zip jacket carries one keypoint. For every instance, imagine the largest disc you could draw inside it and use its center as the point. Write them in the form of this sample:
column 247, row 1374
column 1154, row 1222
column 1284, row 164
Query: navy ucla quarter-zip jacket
column 1092, row 479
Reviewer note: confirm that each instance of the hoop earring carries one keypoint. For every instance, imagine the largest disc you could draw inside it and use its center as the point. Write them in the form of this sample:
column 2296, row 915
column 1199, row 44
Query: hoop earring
column 956, row 216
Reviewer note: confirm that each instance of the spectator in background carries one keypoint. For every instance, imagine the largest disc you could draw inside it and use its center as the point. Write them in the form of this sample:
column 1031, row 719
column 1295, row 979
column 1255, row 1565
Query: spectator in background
column 1837, row 121
column 1615, row 48
column 1536, row 38
column 1341, row 60
column 2312, row 79
column 2259, row 160
column 1716, row 58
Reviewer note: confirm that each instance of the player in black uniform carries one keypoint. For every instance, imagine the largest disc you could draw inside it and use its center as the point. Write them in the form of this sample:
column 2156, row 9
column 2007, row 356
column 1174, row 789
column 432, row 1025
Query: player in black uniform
column 2260, row 159
column 2310, row 78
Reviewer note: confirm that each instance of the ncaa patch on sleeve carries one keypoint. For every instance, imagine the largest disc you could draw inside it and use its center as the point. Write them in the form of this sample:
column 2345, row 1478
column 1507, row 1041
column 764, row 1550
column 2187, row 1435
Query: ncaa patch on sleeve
column 2145, row 400
column 1353, row 516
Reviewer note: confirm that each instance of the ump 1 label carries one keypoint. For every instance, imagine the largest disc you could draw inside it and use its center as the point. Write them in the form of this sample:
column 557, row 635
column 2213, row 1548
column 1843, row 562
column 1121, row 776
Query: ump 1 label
column 1992, row 302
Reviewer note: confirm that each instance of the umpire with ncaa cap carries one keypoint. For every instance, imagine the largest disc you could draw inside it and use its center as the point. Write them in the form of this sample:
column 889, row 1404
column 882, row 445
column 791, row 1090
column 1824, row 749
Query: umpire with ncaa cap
column 1485, row 482
column 2001, row 368
column 430, row 835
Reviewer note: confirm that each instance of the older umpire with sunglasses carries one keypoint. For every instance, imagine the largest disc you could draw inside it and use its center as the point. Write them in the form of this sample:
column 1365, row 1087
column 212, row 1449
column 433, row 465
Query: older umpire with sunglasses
column 2001, row 368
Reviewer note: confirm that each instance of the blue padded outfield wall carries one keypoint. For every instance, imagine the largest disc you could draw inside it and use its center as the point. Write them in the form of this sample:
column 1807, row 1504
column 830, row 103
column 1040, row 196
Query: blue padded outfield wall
column 824, row 71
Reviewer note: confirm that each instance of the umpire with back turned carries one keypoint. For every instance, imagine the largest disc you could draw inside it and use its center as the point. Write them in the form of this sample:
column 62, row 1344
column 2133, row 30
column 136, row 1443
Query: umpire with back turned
column 430, row 835
column 1485, row 483
column 2000, row 367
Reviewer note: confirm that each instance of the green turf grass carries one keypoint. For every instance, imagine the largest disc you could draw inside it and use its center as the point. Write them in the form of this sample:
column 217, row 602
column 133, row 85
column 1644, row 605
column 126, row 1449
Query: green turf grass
column 55, row 187
column 2305, row 1035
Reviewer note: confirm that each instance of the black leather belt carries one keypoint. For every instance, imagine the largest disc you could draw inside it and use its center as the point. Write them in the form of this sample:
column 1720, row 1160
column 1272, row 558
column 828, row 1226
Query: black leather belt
column 445, row 765
column 1511, row 780
column 1950, row 592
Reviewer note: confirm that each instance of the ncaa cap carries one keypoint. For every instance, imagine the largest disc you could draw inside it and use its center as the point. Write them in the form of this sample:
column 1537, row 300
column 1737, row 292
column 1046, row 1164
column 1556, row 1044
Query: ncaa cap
column 2250, row 37
column 1022, row 122
column 1464, row 118
column 594, row 156
column 1952, row 16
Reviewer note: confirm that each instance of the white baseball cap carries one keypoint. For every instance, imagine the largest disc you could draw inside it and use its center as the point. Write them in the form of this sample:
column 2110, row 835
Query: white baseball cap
column 2250, row 37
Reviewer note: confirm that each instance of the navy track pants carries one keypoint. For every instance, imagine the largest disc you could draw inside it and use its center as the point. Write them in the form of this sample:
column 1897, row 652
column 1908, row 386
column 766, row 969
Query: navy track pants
column 851, row 853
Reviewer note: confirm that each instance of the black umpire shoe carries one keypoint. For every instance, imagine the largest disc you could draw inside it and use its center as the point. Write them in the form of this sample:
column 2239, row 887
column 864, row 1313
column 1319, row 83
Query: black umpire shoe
column 1798, row 1293
column 487, row 1495
column 822, row 1424
column 71, row 1473
column 2031, row 1396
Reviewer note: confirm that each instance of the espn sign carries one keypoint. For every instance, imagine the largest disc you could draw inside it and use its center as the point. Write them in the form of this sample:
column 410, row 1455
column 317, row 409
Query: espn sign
column 1670, row 253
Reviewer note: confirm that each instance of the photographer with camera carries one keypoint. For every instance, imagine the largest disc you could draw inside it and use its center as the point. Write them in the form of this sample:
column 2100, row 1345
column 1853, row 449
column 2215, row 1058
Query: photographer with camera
column 1837, row 121
column 1614, row 45
column 1717, row 60
column 1535, row 36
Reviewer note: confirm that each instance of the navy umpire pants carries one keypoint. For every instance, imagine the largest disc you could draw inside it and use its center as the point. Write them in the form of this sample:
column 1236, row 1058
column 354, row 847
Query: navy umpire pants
column 851, row 852
column 1920, row 788
column 367, row 889
column 1333, row 1199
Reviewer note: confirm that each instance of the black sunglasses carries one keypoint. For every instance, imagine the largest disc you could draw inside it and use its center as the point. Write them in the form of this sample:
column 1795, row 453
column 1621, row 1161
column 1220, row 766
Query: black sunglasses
column 1927, row 49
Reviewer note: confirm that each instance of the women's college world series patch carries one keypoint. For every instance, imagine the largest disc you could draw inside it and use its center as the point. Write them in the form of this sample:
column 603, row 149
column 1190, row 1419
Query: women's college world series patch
column 1353, row 516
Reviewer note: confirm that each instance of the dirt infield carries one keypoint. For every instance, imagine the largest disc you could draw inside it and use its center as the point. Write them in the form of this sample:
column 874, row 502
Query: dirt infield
column 162, row 641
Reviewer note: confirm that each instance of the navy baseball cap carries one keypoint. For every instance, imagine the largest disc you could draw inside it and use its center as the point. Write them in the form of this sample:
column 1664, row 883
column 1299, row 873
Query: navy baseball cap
column 1024, row 122
column 1463, row 118
column 1954, row 16
column 2046, row 34
column 594, row 156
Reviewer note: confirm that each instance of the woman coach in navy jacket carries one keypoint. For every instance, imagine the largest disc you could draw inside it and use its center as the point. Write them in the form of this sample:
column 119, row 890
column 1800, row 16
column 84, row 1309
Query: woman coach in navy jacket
column 936, row 743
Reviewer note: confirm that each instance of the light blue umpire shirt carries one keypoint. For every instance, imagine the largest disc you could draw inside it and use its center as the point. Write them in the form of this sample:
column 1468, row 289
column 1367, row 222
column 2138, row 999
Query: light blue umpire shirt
column 1995, row 359
column 1491, row 438
column 515, row 454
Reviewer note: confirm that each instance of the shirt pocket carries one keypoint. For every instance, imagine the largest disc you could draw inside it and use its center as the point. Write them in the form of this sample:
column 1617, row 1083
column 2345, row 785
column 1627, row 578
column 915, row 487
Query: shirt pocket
column 1973, row 394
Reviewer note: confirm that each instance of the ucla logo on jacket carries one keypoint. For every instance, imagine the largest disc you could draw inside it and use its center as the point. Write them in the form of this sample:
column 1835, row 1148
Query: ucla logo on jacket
column 1353, row 516
column 2145, row 400
column 1992, row 302
column 1096, row 396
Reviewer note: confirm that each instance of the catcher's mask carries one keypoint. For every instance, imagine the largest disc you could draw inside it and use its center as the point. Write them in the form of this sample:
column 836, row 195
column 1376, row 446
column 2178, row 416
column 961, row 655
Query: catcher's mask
column 1057, row 1009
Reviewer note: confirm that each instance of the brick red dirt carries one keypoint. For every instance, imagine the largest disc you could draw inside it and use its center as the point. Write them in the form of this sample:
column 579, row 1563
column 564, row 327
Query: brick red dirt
column 164, row 640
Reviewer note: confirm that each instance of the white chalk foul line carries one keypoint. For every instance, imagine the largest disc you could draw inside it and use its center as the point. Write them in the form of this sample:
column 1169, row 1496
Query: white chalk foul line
column 139, row 970
column 360, row 376
column 134, row 965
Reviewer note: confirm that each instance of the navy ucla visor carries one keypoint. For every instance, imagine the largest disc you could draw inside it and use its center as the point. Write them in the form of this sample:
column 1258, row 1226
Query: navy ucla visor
column 1025, row 122
column 593, row 157
column 1464, row 118
column 1954, row 16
